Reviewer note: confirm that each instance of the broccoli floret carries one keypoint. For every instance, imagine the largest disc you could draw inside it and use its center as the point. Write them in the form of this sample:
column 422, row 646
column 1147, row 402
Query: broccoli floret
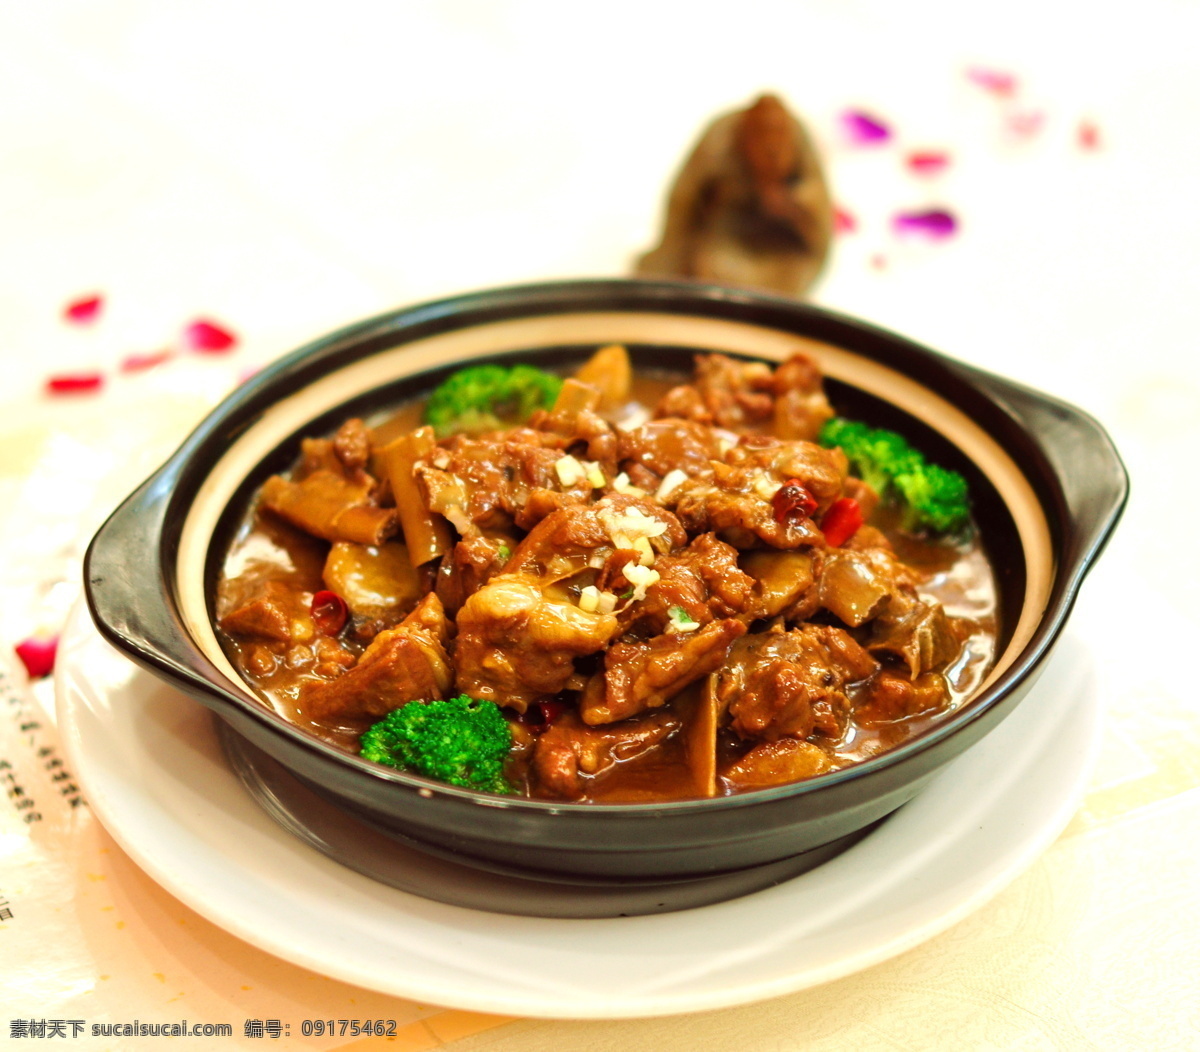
column 932, row 497
column 461, row 741
column 487, row 397
column 935, row 498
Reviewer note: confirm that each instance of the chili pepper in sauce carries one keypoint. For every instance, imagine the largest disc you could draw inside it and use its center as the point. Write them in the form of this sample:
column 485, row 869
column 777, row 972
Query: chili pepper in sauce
column 541, row 714
column 329, row 612
column 792, row 500
column 841, row 521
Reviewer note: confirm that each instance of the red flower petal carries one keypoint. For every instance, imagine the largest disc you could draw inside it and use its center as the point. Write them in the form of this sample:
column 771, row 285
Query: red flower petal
column 37, row 655
column 135, row 363
column 865, row 129
column 84, row 310
column 844, row 222
column 1025, row 124
column 927, row 162
column 208, row 337
column 993, row 80
column 74, row 383
column 1088, row 136
column 934, row 223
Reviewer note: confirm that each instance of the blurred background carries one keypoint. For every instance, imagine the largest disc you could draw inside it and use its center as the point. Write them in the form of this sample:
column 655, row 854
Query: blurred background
column 286, row 167
column 276, row 170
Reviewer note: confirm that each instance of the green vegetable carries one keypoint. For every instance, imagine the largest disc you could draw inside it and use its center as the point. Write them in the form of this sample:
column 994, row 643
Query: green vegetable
column 678, row 613
column 931, row 497
column 487, row 397
column 461, row 741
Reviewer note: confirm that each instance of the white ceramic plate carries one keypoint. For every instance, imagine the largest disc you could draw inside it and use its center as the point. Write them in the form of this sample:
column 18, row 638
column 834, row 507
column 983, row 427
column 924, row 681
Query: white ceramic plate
column 156, row 777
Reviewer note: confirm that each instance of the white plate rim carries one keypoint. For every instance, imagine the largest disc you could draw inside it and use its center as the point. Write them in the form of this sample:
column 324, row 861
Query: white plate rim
column 141, row 804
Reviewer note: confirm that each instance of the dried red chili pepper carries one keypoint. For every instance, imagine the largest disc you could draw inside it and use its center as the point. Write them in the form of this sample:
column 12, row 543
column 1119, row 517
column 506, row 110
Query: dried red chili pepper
column 792, row 500
column 541, row 714
column 329, row 612
column 841, row 521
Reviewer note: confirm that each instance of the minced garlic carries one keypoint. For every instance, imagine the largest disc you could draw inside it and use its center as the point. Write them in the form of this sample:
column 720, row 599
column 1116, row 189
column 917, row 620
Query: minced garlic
column 570, row 471
column 631, row 524
column 670, row 483
column 680, row 621
column 622, row 485
column 765, row 487
column 641, row 545
column 642, row 578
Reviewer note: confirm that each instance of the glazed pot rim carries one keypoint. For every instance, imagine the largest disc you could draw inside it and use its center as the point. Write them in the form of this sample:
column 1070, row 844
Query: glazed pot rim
column 1075, row 547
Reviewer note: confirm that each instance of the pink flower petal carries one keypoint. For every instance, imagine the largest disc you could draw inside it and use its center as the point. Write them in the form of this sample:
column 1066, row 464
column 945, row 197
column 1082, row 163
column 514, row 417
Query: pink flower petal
column 207, row 337
column 844, row 221
column 865, row 129
column 996, row 81
column 74, row 383
column 135, row 363
column 927, row 162
column 37, row 655
column 1025, row 124
column 1088, row 135
column 83, row 311
column 933, row 223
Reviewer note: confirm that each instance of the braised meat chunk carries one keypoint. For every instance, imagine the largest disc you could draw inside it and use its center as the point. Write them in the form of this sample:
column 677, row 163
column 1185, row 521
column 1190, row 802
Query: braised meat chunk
column 640, row 676
column 570, row 750
column 657, row 589
column 792, row 684
column 405, row 663
column 518, row 640
column 763, row 493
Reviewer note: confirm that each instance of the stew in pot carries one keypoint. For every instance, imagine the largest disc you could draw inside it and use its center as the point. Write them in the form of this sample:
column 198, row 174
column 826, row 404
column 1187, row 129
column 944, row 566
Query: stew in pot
column 659, row 587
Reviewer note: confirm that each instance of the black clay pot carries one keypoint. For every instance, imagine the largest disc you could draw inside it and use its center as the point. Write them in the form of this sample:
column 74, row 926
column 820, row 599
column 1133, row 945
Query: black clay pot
column 1047, row 484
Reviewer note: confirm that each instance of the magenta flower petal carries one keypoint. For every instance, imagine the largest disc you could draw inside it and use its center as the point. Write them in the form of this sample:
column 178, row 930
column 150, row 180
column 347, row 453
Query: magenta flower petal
column 37, row 655
column 844, row 221
column 83, row 311
column 208, row 337
column 993, row 80
column 865, row 129
column 927, row 162
column 74, row 383
column 135, row 363
column 933, row 223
